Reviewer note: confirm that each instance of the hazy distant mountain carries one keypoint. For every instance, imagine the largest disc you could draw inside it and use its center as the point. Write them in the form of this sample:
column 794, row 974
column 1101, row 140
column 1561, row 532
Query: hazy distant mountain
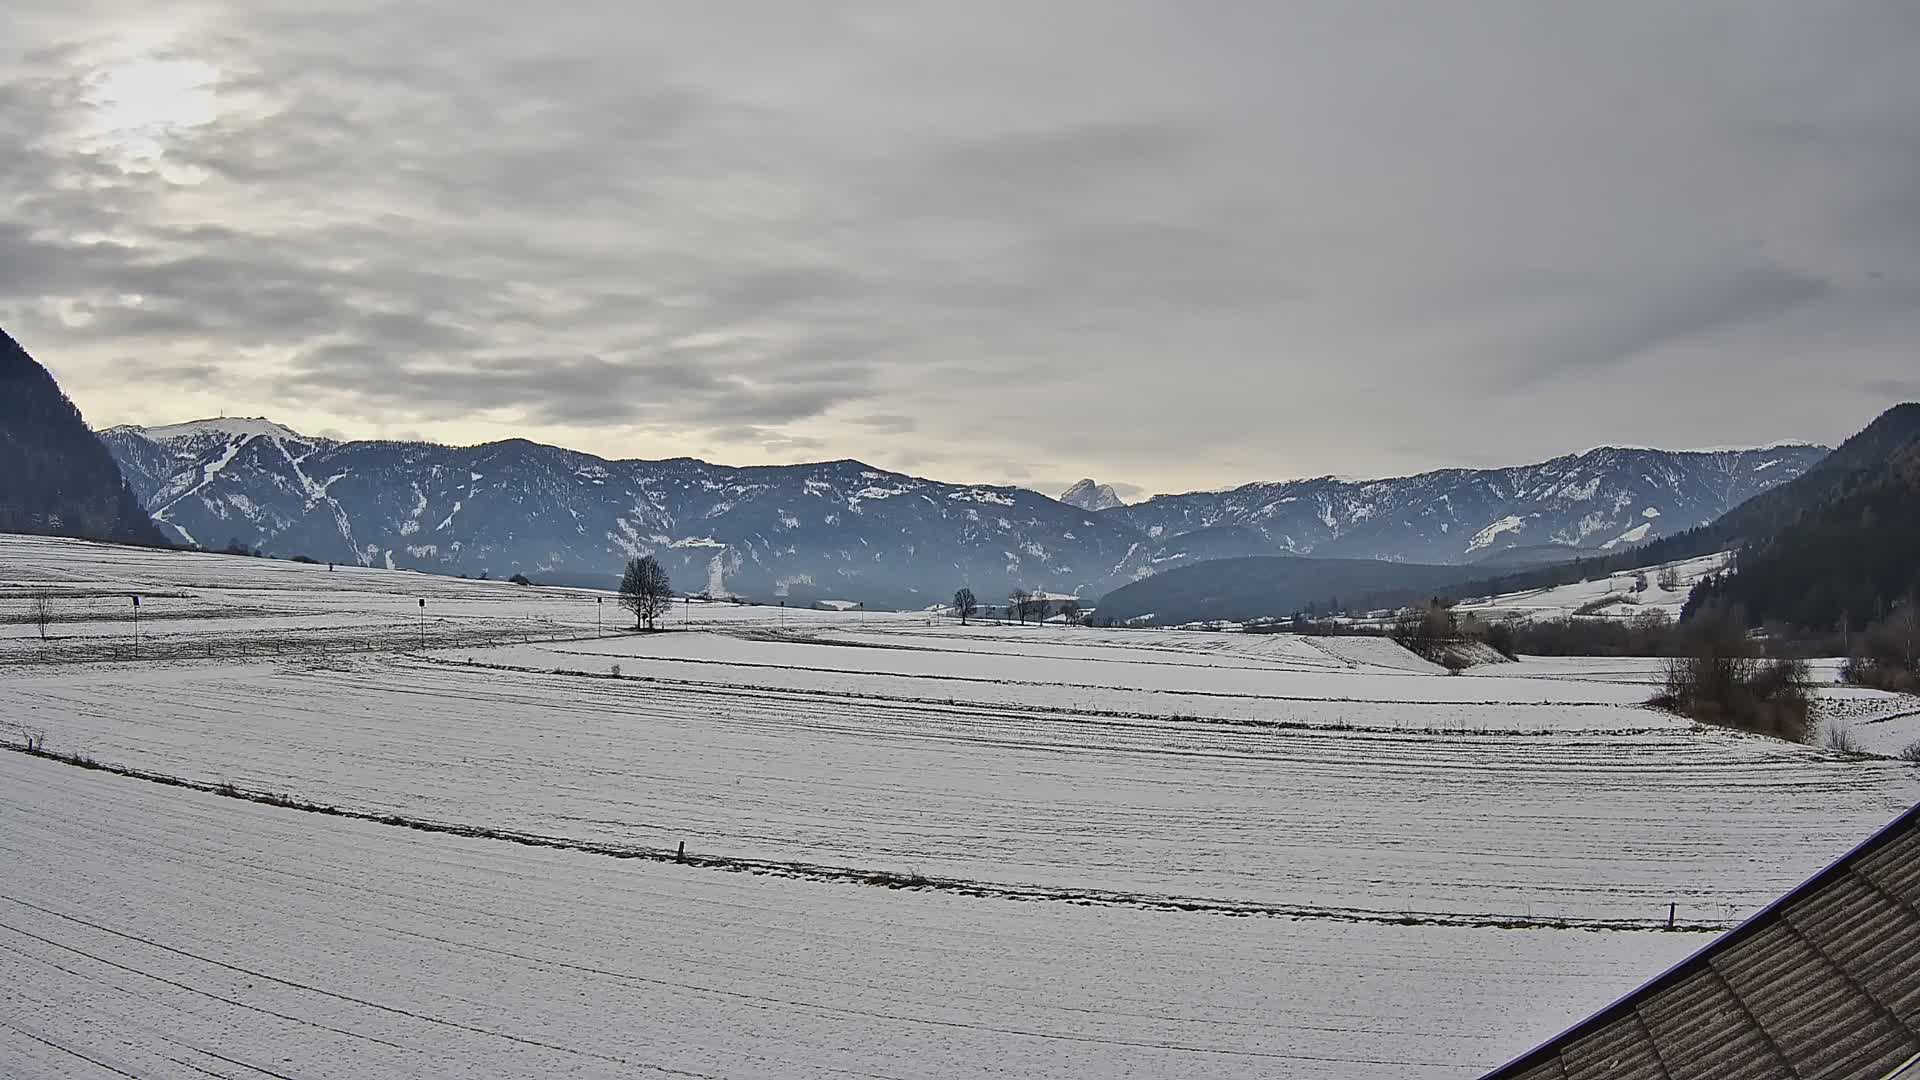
column 846, row 530
column 56, row 478
column 1602, row 499
column 1087, row 495
column 835, row 529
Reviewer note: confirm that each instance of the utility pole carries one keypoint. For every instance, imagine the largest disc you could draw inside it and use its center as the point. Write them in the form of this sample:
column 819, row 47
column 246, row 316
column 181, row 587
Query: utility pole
column 423, row 624
column 599, row 605
column 136, row 627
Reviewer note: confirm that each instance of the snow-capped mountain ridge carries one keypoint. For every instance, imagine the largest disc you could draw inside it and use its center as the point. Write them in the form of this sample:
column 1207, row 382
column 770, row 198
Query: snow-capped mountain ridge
column 844, row 528
column 1598, row 499
column 223, row 426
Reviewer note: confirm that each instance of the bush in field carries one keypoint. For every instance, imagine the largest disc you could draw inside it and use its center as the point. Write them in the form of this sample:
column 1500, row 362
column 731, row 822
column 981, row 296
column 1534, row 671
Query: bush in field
column 1840, row 738
column 1911, row 752
column 520, row 579
column 1720, row 678
column 1888, row 654
column 1594, row 607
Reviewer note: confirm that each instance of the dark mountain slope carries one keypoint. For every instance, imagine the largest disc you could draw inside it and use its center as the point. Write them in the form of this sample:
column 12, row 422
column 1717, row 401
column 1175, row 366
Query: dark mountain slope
column 56, row 478
column 1851, row 559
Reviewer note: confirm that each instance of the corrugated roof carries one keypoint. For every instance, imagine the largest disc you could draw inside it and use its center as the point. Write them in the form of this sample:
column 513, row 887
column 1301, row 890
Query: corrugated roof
column 1823, row 983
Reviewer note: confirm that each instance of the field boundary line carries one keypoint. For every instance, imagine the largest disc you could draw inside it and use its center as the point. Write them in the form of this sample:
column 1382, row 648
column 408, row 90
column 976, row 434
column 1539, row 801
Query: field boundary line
column 1230, row 694
column 1303, row 726
column 874, row 877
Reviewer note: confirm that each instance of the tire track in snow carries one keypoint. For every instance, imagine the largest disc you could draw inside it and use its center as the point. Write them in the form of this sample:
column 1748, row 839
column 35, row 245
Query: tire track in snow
column 322, row 991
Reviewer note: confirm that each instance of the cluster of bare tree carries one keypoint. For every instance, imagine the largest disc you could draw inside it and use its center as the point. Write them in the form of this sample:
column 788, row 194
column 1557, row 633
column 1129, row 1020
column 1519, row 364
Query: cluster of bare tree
column 1722, row 678
column 1040, row 607
column 1021, row 605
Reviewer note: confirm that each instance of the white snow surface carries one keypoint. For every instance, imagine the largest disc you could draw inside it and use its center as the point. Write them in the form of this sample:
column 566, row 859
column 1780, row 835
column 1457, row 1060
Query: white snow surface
column 1485, row 537
column 209, row 931
column 1491, row 848
column 1563, row 601
column 234, row 427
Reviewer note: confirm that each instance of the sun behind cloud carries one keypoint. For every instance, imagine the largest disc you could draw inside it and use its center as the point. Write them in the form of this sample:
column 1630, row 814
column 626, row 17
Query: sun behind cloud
column 140, row 105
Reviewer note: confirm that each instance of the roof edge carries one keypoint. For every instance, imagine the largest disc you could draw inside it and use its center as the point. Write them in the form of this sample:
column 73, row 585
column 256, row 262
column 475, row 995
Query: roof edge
column 1747, row 928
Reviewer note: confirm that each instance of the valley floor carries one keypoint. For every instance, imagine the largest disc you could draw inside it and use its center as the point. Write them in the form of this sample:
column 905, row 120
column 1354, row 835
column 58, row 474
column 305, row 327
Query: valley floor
column 915, row 849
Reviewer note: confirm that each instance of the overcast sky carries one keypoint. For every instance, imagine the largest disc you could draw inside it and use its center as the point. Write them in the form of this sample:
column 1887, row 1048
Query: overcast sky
column 1169, row 245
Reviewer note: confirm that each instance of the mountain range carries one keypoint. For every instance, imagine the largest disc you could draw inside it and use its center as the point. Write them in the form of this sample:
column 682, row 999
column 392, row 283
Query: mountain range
column 843, row 529
column 1833, row 543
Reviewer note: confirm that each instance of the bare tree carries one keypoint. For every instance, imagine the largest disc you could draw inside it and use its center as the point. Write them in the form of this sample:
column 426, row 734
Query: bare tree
column 646, row 590
column 1070, row 609
column 1669, row 579
column 965, row 605
column 41, row 612
column 1018, row 601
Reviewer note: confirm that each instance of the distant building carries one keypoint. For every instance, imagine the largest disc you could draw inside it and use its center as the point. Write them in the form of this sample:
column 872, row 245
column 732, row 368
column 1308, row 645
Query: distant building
column 1824, row 983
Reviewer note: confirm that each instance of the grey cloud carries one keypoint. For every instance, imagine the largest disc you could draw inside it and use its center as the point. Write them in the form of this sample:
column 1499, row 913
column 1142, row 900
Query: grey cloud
column 1051, row 166
column 1289, row 239
column 887, row 423
column 1681, row 311
column 560, row 389
column 1894, row 390
column 771, row 441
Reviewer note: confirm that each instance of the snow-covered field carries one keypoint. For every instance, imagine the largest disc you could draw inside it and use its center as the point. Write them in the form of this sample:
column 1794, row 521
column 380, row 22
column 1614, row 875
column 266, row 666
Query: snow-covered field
column 1587, row 597
column 1432, row 872
column 201, row 606
column 165, row 933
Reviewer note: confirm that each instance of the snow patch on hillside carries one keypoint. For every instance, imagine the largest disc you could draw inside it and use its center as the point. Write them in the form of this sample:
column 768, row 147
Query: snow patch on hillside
column 1631, row 536
column 1485, row 537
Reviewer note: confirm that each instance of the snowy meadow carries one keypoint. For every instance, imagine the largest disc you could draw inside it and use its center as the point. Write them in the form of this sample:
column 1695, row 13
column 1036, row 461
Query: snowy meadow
column 336, row 832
